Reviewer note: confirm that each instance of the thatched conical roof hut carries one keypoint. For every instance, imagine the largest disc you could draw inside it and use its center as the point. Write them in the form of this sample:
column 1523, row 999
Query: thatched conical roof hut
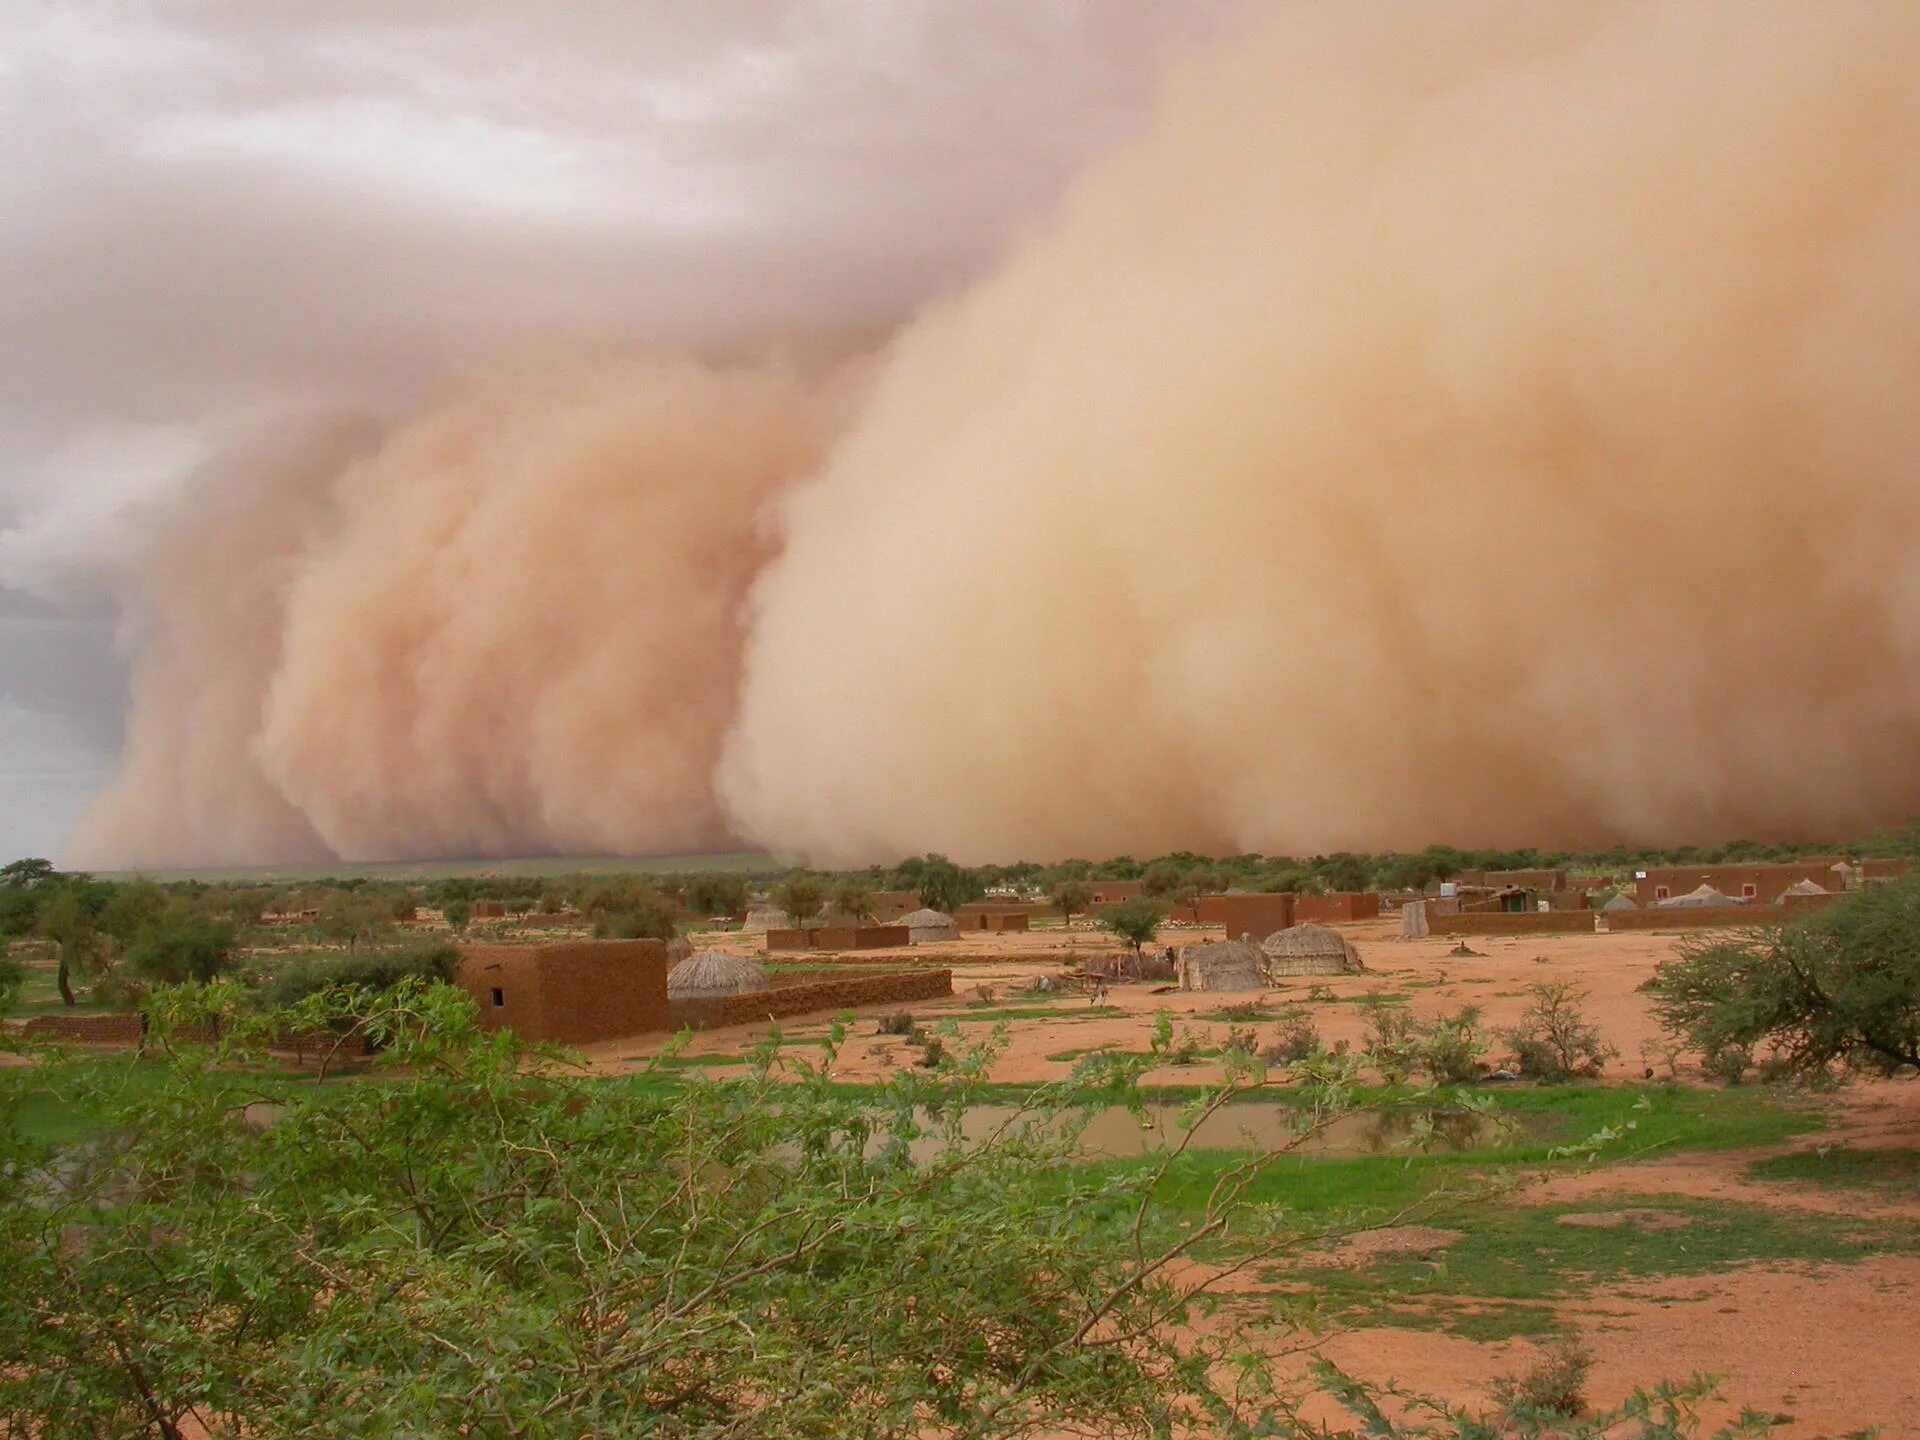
column 927, row 925
column 1310, row 950
column 1621, row 901
column 1704, row 897
column 679, row 948
column 1802, row 887
column 714, row 972
column 1225, row 965
column 762, row 918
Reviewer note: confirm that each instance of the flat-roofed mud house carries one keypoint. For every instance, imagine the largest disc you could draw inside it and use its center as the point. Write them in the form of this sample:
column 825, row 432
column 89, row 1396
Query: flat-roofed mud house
column 1753, row 884
column 1112, row 892
column 572, row 993
column 1336, row 907
column 1250, row 916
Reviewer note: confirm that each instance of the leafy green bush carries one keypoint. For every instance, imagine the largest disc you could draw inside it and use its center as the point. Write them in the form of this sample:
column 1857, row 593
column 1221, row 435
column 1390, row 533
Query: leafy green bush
column 196, row 950
column 1296, row 1039
column 372, row 970
column 1838, row 986
column 1554, row 1040
column 1450, row 1051
column 1553, row 1389
column 653, row 922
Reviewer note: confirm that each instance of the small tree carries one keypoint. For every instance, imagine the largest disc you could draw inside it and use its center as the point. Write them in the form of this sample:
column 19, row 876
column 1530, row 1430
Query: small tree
column 1554, row 1040
column 1343, row 872
column 196, row 949
column 1071, row 897
column 67, row 922
column 1841, row 986
column 717, row 894
column 12, row 976
column 25, row 874
column 800, row 895
column 940, row 884
column 458, row 911
column 1134, row 921
column 854, row 898
column 348, row 917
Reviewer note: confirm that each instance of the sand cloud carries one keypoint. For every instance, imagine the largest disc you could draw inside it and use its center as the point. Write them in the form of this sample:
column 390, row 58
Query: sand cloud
column 1491, row 422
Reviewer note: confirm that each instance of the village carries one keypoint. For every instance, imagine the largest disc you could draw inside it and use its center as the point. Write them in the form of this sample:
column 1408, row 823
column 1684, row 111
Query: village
column 1451, row 996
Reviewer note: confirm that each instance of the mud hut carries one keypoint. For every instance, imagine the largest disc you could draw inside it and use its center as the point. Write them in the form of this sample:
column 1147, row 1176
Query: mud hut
column 1703, row 898
column 714, row 972
column 1310, row 950
column 762, row 918
column 926, row 926
column 1227, row 965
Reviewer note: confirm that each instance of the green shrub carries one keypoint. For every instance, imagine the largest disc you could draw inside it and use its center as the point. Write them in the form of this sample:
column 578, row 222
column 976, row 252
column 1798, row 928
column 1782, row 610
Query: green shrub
column 1839, row 986
column 1554, row 1040
column 1296, row 1039
column 373, row 970
column 1553, row 1389
column 1450, row 1052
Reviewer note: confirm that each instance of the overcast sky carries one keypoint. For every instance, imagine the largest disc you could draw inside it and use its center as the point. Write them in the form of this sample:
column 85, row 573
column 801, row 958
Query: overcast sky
column 225, row 209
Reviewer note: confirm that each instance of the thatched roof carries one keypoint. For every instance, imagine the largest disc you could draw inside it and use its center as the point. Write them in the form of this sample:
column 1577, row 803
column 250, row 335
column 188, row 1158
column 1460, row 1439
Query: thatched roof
column 1702, row 898
column 1225, row 965
column 766, row 917
column 1318, row 949
column 679, row 948
column 1804, row 887
column 925, row 919
column 714, row 972
column 1621, row 901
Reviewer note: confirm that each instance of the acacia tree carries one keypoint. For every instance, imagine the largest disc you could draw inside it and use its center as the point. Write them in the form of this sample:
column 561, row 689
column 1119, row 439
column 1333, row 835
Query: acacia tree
column 1134, row 921
column 1838, row 986
column 1070, row 898
column 714, row 894
column 68, row 922
column 800, row 895
column 852, row 897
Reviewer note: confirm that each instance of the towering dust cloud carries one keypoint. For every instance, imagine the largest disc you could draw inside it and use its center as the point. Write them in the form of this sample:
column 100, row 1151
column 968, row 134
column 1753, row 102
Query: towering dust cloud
column 1496, row 422
column 508, row 628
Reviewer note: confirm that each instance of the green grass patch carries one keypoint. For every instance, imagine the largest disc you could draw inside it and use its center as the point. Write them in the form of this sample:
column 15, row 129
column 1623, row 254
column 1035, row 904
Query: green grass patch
column 1023, row 1012
column 1513, row 1261
column 1844, row 1167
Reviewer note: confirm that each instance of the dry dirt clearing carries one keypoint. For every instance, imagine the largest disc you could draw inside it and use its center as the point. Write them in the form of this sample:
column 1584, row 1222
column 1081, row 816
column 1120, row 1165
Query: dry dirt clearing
column 1825, row 1345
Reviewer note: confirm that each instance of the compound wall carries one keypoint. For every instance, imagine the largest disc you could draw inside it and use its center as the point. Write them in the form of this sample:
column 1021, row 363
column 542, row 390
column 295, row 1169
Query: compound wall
column 841, row 992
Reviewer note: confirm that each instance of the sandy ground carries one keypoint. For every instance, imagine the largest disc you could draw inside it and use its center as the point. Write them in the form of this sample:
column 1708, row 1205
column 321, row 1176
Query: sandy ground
column 1832, row 1346
column 1004, row 967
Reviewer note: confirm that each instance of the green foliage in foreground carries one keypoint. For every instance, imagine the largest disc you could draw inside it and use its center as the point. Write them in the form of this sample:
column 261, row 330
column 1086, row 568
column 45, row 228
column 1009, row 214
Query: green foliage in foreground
column 484, row 1243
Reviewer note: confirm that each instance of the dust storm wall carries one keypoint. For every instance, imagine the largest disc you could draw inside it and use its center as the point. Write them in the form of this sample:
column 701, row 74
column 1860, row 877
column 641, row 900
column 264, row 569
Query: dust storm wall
column 1491, row 422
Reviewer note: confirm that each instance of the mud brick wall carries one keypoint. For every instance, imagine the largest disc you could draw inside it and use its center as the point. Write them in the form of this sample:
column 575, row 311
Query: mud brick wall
column 1526, row 922
column 121, row 1030
column 1705, row 917
column 1332, row 909
column 890, row 987
column 126, row 1031
column 840, row 937
column 1255, row 915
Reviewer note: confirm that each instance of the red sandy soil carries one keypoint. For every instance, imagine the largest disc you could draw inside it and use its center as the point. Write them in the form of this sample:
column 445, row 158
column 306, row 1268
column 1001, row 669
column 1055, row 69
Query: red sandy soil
column 1833, row 1346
